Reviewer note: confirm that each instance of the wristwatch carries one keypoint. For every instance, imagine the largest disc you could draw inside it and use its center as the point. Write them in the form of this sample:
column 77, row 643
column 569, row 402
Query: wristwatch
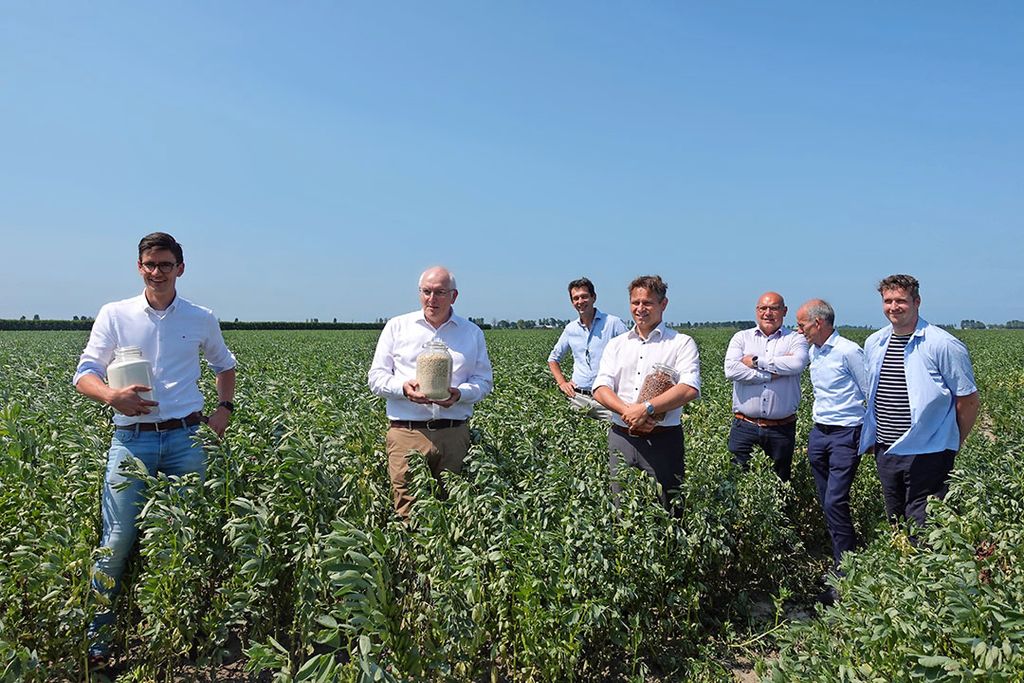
column 227, row 404
column 649, row 407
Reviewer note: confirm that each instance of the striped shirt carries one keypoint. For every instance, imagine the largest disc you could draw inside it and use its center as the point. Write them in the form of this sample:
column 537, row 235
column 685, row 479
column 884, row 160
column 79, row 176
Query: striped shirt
column 892, row 403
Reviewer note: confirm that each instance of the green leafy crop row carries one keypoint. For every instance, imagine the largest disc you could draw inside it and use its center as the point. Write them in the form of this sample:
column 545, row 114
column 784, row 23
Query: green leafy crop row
column 288, row 560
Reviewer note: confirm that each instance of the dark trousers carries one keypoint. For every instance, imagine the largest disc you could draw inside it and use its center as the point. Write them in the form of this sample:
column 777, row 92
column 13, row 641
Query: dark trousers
column 661, row 455
column 908, row 480
column 777, row 443
column 833, row 453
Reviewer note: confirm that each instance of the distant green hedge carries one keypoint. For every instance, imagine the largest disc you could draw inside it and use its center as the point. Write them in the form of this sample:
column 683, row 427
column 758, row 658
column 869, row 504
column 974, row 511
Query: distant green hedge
column 224, row 325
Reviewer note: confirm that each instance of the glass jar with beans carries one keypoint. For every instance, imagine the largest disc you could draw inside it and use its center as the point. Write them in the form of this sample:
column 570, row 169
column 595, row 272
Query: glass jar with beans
column 660, row 378
column 434, row 370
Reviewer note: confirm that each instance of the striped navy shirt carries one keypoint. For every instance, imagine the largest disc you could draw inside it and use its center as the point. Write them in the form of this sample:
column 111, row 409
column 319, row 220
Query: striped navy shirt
column 892, row 404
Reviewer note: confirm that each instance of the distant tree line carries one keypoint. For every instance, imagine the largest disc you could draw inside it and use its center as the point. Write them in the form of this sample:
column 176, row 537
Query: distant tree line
column 76, row 323
column 738, row 324
column 85, row 323
column 526, row 324
column 978, row 325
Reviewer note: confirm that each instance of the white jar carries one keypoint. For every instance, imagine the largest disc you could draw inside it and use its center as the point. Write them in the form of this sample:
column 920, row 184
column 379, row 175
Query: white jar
column 128, row 368
column 434, row 370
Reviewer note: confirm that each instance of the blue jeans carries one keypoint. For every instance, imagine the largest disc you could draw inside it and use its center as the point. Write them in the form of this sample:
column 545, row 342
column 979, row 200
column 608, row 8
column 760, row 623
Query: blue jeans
column 777, row 442
column 174, row 453
column 833, row 453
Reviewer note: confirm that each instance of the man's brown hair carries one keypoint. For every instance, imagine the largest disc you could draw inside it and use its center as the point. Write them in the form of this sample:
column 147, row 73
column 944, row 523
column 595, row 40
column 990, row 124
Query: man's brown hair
column 652, row 283
column 908, row 283
column 160, row 240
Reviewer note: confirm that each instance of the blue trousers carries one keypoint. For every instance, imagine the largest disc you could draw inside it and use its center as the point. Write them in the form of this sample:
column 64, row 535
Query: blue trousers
column 833, row 453
column 174, row 453
column 777, row 442
column 908, row 481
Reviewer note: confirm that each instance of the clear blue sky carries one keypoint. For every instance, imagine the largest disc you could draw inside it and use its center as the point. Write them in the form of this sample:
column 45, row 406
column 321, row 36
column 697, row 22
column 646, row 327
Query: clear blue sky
column 313, row 157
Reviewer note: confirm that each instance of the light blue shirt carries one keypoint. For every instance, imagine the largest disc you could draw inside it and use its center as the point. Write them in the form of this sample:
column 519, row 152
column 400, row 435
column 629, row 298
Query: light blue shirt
column 938, row 371
column 586, row 345
column 840, row 382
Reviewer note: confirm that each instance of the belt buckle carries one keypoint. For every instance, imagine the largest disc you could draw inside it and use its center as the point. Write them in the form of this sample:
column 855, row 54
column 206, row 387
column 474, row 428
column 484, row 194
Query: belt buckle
column 431, row 428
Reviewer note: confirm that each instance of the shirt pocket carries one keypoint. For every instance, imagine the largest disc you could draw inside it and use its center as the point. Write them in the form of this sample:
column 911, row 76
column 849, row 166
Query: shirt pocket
column 187, row 344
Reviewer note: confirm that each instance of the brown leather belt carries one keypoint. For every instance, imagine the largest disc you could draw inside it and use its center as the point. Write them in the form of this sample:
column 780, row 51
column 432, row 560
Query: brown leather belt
column 167, row 425
column 618, row 429
column 432, row 425
column 765, row 422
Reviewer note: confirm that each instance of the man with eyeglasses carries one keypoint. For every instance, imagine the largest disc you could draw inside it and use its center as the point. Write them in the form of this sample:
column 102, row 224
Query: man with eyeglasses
column 172, row 333
column 586, row 339
column 840, row 383
column 764, row 364
column 437, row 429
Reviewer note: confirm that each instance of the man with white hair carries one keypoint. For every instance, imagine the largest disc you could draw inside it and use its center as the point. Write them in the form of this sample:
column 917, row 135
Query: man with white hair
column 435, row 428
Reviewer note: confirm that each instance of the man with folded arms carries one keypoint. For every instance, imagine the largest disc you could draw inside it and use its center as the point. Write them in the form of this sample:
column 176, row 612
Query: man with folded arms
column 172, row 334
column 833, row 448
column 764, row 364
column 437, row 429
column 586, row 339
column 642, row 441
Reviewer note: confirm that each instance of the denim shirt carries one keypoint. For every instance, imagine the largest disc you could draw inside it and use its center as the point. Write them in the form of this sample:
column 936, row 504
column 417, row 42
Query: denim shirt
column 586, row 345
column 938, row 370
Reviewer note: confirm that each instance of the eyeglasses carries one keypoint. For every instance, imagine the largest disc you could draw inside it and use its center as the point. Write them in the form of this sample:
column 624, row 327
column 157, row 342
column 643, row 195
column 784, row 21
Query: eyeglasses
column 762, row 309
column 163, row 266
column 439, row 293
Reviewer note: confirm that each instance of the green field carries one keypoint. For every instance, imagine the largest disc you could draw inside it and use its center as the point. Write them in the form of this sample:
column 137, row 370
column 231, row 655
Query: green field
column 288, row 563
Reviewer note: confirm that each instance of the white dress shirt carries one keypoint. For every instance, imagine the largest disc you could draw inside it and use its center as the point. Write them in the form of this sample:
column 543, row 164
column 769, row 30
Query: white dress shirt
column 754, row 392
column 394, row 363
column 171, row 340
column 628, row 358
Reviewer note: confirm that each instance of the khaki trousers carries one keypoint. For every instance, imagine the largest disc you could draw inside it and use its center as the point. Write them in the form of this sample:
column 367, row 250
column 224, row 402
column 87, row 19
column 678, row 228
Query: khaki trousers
column 444, row 449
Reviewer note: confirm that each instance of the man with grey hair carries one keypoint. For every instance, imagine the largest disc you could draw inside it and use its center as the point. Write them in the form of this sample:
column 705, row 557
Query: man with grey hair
column 833, row 448
column 922, row 402
column 437, row 429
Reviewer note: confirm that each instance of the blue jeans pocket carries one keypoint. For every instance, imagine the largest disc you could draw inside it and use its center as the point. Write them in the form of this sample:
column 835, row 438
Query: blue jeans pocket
column 123, row 436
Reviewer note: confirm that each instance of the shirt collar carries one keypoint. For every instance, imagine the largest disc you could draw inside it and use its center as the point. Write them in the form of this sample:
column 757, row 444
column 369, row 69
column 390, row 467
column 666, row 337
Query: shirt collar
column 887, row 332
column 778, row 332
column 831, row 341
column 597, row 316
column 658, row 331
column 143, row 303
column 453, row 319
